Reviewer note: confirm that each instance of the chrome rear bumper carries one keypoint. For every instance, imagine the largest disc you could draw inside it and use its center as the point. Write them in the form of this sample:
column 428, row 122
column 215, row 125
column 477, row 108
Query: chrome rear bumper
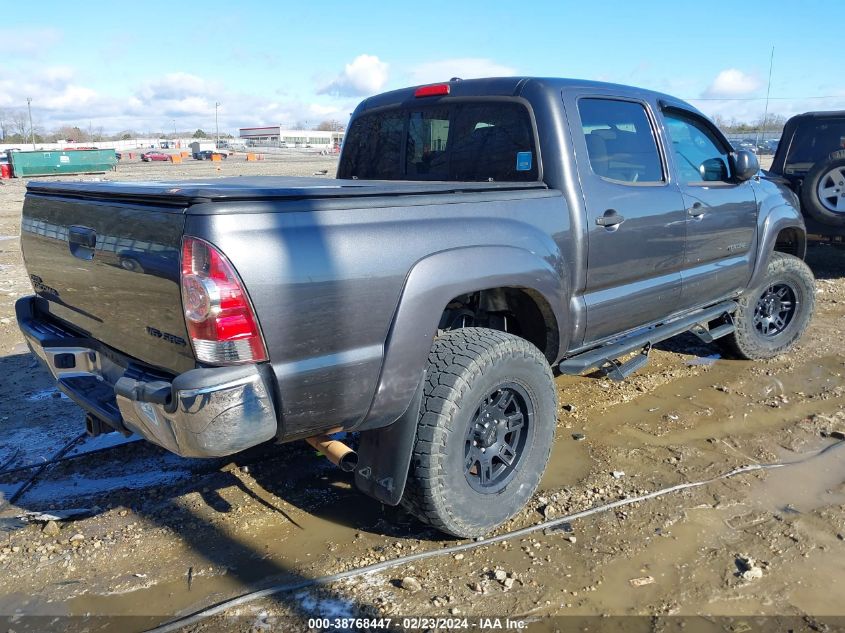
column 205, row 412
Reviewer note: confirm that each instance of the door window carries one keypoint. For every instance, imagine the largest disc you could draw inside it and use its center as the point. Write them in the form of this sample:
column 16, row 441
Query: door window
column 620, row 141
column 699, row 154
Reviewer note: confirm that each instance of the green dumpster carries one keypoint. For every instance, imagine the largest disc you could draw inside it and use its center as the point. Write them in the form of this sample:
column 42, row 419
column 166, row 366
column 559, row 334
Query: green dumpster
column 76, row 161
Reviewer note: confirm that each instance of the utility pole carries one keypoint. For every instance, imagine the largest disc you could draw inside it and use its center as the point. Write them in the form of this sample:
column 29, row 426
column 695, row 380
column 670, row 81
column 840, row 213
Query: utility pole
column 174, row 128
column 216, row 127
column 31, row 130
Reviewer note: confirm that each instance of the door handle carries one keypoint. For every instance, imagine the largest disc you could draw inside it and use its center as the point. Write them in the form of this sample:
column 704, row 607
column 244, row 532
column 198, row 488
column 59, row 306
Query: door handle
column 82, row 241
column 696, row 211
column 610, row 219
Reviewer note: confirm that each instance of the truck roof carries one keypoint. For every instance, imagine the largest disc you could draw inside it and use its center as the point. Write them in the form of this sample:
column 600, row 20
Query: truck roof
column 514, row 87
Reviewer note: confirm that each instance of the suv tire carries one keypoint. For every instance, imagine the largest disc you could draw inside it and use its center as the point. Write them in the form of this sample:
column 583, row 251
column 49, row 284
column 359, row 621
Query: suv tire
column 486, row 428
column 826, row 176
column 773, row 316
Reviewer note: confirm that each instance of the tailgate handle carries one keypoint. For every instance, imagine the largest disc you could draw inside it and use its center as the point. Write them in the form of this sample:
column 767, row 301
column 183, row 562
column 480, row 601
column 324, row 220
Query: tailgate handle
column 82, row 241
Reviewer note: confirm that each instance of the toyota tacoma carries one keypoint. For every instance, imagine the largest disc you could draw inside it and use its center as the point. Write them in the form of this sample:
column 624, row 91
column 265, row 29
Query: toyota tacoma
column 479, row 235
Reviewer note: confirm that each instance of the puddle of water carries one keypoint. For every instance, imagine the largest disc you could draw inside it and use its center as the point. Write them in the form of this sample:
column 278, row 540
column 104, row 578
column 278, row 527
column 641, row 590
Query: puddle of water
column 692, row 409
column 813, row 482
column 46, row 394
column 696, row 555
column 568, row 464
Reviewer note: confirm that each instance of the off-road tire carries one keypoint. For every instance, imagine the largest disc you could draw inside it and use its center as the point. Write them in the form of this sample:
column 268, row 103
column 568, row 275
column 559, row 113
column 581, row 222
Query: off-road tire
column 748, row 341
column 811, row 204
column 464, row 367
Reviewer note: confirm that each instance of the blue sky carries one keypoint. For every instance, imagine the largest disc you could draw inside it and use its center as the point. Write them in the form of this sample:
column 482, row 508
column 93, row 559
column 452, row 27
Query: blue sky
column 144, row 65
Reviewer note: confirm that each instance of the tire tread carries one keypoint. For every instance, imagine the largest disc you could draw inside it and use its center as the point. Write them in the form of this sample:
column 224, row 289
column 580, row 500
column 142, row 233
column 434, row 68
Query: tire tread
column 456, row 359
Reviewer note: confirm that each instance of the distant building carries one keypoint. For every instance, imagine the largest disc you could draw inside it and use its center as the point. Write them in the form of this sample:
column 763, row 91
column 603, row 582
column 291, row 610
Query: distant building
column 275, row 136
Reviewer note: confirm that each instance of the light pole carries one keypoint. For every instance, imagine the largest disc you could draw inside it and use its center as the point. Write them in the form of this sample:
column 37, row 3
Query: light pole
column 174, row 128
column 31, row 130
column 216, row 127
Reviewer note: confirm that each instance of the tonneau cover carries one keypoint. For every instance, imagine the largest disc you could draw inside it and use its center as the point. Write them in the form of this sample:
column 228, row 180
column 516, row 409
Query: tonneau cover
column 185, row 192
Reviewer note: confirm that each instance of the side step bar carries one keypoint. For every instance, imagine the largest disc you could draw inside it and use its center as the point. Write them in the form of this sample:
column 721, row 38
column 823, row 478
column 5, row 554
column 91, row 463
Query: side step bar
column 606, row 355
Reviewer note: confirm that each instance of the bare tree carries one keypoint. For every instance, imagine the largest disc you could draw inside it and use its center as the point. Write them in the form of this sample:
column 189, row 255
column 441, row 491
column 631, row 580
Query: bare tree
column 71, row 133
column 19, row 123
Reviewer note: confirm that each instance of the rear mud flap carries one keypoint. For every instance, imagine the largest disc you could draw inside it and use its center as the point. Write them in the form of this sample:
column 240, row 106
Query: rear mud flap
column 384, row 455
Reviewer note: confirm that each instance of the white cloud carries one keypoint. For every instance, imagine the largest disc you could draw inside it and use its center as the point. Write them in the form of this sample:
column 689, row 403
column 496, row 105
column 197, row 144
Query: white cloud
column 732, row 82
column 463, row 67
column 366, row 75
column 177, row 86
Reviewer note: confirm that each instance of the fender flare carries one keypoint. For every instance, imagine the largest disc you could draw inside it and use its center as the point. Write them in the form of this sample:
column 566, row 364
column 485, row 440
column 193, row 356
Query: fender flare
column 430, row 285
column 776, row 220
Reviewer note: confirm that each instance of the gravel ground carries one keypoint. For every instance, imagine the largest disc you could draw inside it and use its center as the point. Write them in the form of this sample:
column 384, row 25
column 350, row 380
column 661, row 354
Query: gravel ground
column 163, row 536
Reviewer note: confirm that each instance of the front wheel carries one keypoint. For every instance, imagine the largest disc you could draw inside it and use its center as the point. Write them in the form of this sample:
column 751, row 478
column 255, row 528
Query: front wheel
column 485, row 432
column 772, row 317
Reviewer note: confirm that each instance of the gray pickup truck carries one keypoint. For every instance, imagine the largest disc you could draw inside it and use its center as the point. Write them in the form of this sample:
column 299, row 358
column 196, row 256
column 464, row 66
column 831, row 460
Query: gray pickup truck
column 479, row 234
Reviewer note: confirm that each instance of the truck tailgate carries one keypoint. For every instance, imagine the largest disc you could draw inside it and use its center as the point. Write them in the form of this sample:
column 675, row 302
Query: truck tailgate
column 110, row 268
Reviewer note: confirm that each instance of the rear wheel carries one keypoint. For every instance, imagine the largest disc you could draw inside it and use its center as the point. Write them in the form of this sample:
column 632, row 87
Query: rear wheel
column 485, row 432
column 772, row 317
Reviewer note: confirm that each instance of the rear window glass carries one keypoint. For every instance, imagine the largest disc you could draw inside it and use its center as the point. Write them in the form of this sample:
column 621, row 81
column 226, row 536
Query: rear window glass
column 814, row 140
column 620, row 141
column 491, row 141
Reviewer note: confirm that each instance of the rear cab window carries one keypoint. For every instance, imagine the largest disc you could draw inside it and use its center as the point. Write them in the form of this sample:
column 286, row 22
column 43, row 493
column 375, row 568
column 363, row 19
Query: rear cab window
column 461, row 141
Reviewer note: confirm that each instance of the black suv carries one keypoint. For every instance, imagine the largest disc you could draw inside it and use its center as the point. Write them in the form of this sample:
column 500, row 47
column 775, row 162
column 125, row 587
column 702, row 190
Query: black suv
column 811, row 157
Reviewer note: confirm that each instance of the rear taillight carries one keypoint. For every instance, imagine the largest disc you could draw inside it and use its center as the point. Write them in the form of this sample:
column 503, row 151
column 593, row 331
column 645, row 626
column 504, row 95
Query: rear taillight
column 220, row 319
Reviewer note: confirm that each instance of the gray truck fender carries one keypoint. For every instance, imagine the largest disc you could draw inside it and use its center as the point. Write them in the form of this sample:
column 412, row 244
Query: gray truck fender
column 775, row 220
column 389, row 429
column 430, row 285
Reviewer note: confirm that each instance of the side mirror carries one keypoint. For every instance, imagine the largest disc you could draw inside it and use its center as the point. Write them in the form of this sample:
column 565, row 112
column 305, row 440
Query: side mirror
column 713, row 169
column 746, row 165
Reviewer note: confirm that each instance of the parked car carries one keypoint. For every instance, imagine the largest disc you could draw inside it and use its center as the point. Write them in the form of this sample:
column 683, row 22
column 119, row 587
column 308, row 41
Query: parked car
column 767, row 146
column 207, row 154
column 811, row 160
column 744, row 144
column 154, row 155
column 422, row 299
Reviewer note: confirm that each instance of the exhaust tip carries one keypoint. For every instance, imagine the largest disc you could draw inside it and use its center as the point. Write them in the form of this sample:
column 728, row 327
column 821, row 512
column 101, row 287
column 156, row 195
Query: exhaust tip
column 349, row 462
column 335, row 451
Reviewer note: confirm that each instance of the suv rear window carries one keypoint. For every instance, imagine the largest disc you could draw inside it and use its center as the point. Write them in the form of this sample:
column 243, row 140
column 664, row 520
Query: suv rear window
column 814, row 140
column 470, row 142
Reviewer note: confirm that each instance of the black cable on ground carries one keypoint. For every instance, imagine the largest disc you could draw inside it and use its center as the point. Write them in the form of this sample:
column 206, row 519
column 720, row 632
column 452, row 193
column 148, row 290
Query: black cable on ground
column 67, row 458
column 198, row 616
column 9, row 461
column 61, row 453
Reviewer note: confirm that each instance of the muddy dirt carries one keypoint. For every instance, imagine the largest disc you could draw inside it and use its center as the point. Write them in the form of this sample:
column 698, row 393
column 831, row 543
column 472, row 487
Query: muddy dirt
column 161, row 536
